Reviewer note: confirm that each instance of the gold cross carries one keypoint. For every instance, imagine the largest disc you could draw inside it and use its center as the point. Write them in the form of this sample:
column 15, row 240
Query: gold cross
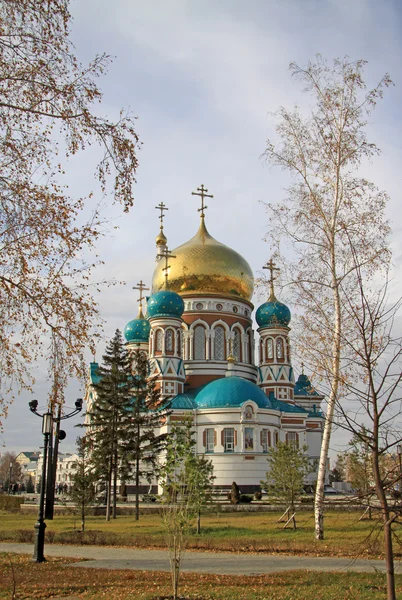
column 201, row 191
column 270, row 266
column 162, row 207
column 166, row 254
column 140, row 286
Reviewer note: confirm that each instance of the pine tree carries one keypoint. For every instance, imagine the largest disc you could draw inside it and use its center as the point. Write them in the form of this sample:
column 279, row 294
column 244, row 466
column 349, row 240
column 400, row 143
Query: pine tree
column 107, row 416
column 141, row 441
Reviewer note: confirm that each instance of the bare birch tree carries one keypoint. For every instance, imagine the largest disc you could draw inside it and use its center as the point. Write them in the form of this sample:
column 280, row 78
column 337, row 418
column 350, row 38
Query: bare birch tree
column 375, row 397
column 48, row 113
column 328, row 205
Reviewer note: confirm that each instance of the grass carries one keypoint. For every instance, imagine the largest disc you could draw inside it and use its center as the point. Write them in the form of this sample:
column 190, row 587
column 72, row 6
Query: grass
column 345, row 535
column 56, row 579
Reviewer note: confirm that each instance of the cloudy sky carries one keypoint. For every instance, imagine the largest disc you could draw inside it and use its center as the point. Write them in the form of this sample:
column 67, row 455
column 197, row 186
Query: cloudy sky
column 203, row 78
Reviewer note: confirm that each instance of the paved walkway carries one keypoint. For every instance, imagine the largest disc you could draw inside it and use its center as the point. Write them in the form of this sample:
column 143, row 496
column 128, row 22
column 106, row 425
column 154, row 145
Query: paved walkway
column 99, row 557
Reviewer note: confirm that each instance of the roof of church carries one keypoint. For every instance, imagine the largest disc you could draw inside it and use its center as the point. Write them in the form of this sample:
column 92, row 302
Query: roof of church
column 231, row 392
column 303, row 387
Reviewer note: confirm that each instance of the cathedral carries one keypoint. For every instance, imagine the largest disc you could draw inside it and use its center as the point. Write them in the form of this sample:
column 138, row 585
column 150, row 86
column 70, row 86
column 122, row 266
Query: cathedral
column 198, row 334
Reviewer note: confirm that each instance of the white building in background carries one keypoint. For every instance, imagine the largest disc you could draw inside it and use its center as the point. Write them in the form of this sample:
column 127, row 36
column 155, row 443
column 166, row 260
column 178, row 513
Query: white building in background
column 199, row 337
column 65, row 469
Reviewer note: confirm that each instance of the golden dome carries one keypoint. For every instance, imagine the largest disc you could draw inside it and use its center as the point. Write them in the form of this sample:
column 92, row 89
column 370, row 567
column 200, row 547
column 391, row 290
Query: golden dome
column 204, row 265
column 161, row 238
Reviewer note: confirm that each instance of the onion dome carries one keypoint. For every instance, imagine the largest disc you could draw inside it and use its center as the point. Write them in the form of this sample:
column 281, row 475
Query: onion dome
column 273, row 313
column 138, row 329
column 303, row 387
column 205, row 266
column 231, row 391
column 161, row 238
column 165, row 304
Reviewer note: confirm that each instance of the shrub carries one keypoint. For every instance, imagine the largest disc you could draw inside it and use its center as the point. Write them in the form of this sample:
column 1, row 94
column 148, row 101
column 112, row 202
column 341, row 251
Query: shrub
column 258, row 495
column 234, row 494
column 11, row 503
column 246, row 498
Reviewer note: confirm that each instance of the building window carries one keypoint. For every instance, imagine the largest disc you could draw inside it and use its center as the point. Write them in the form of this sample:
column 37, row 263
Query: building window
column 219, row 307
column 236, row 345
column 265, row 439
column 270, row 348
column 276, row 438
column 158, row 341
column 228, row 439
column 169, row 340
column 249, row 438
column 292, row 439
column 199, row 343
column 209, row 440
column 279, row 348
column 219, row 343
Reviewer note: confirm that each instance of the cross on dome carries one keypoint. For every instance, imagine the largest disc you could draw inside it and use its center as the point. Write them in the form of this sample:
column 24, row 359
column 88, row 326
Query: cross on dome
column 201, row 191
column 162, row 207
column 140, row 286
column 166, row 254
column 270, row 266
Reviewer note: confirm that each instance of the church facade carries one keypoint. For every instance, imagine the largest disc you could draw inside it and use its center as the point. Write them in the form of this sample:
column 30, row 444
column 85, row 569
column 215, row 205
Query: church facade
column 199, row 336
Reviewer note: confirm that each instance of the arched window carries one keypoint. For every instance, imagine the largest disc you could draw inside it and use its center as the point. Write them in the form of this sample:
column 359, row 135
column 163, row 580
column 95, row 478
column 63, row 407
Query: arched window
column 219, row 343
column 179, row 343
column 270, row 348
column 158, row 341
column 169, row 340
column 279, row 348
column 237, row 345
column 287, row 351
column 199, row 343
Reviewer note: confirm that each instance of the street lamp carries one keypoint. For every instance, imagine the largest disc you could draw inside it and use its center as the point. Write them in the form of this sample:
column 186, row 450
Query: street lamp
column 53, row 450
column 40, row 525
column 10, row 487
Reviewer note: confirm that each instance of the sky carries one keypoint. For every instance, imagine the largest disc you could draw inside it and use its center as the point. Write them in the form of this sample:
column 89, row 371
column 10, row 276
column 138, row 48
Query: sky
column 203, row 79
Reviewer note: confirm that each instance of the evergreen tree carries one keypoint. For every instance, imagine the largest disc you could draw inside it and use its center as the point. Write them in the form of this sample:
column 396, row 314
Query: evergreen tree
column 141, row 441
column 83, row 491
column 107, row 417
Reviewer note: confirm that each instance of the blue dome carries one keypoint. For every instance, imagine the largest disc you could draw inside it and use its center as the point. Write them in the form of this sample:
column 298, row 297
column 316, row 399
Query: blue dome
column 273, row 313
column 137, row 330
column 231, row 391
column 165, row 304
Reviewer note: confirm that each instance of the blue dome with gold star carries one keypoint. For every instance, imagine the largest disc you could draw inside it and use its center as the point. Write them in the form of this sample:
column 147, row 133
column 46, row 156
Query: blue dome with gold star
column 273, row 313
column 165, row 304
column 137, row 330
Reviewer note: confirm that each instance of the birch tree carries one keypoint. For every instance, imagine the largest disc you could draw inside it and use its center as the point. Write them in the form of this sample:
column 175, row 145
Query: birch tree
column 328, row 206
column 375, row 396
column 49, row 113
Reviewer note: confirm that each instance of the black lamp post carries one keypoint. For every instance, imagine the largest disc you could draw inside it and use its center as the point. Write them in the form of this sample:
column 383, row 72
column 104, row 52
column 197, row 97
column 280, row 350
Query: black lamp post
column 40, row 525
column 10, row 487
column 47, row 468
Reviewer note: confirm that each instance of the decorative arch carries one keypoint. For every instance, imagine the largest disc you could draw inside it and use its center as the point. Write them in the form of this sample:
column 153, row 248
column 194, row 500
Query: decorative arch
column 237, row 353
column 280, row 349
column 270, row 348
column 169, row 340
column 158, row 341
column 219, row 343
column 199, row 342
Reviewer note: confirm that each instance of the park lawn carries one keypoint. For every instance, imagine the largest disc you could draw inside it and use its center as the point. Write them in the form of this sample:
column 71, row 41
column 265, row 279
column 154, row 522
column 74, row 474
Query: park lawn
column 54, row 578
column 345, row 535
